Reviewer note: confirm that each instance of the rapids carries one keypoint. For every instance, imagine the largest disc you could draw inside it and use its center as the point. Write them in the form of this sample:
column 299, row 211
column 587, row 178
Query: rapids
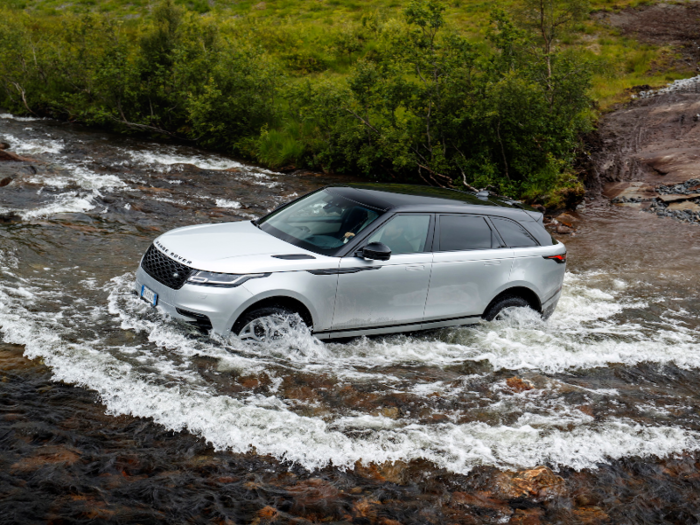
column 614, row 374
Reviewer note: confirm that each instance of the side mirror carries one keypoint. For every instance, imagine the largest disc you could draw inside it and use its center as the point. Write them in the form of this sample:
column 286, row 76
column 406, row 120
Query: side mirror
column 376, row 251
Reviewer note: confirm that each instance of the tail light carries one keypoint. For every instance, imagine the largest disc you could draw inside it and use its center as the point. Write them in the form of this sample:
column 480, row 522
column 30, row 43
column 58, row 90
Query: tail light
column 561, row 259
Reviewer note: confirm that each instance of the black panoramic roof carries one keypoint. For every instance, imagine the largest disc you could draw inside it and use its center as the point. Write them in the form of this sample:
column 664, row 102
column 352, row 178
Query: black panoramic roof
column 390, row 196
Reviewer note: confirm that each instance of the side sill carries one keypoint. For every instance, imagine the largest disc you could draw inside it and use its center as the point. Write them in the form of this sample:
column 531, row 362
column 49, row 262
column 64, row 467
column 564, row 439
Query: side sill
column 400, row 328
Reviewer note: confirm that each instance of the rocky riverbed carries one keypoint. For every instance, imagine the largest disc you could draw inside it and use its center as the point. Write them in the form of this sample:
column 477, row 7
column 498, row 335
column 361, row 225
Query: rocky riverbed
column 110, row 412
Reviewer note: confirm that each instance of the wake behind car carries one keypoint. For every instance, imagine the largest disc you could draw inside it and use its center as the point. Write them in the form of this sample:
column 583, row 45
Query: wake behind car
column 358, row 259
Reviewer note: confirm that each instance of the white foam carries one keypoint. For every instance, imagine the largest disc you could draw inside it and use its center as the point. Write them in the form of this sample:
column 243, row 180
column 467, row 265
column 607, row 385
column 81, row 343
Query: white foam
column 33, row 146
column 64, row 203
column 82, row 177
column 8, row 116
column 223, row 203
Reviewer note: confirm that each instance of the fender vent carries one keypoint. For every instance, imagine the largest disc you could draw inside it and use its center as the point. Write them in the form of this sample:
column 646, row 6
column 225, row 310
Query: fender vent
column 294, row 257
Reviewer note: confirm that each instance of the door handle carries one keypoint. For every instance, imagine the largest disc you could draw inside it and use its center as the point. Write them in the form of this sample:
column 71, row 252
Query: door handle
column 492, row 263
column 415, row 268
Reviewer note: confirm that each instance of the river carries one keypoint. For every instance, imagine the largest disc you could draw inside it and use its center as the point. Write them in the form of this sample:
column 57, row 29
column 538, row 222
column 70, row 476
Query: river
column 111, row 412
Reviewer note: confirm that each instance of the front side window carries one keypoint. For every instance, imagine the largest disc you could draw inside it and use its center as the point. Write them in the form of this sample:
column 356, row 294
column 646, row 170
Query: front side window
column 404, row 234
column 513, row 234
column 466, row 232
column 322, row 222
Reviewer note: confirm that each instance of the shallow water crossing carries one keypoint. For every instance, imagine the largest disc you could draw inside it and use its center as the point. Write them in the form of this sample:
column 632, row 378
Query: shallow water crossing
column 612, row 377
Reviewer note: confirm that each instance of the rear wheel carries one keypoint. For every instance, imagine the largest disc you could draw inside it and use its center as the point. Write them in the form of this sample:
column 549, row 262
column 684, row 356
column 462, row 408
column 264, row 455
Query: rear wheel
column 495, row 310
column 265, row 324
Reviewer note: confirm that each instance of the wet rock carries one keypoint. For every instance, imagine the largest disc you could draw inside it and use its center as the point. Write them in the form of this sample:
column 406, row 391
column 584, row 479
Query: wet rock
column 4, row 145
column 366, row 508
column 517, row 384
column 390, row 412
column 568, row 220
column 586, row 409
column 312, row 491
column 12, row 358
column 268, row 513
column 564, row 230
column 389, row 471
column 678, row 197
column 9, row 217
column 9, row 156
column 527, row 517
column 481, row 499
column 591, row 515
column 47, row 455
column 536, row 484
column 675, row 206
column 5, row 181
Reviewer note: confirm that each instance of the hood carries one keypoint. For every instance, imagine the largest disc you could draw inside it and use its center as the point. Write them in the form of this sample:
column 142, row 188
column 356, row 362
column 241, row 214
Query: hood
column 234, row 247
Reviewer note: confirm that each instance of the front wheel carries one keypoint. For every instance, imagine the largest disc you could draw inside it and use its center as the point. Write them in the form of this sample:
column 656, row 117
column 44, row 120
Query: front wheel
column 266, row 324
column 496, row 309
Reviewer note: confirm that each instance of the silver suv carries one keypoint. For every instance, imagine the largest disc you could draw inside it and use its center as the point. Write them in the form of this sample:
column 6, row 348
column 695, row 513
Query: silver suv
column 358, row 259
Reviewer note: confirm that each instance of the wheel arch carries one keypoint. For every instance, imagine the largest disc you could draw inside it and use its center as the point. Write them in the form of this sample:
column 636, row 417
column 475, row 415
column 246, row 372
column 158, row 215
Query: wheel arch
column 518, row 291
column 284, row 301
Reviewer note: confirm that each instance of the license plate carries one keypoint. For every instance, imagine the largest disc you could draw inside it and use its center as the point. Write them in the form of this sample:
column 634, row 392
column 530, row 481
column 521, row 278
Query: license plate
column 149, row 295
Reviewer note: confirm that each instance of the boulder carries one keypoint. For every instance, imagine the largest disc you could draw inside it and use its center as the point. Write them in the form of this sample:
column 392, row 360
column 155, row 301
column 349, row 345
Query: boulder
column 562, row 229
column 5, row 181
column 568, row 219
column 517, row 384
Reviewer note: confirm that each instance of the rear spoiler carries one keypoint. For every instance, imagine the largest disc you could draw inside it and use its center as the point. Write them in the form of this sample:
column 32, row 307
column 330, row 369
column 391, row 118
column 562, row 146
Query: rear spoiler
column 536, row 215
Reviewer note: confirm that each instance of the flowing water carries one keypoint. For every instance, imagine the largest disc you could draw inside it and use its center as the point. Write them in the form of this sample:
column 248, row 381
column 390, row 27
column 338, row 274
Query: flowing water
column 123, row 414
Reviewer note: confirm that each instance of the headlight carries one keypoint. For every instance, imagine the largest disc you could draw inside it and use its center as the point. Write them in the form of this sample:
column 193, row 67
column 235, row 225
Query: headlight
column 227, row 280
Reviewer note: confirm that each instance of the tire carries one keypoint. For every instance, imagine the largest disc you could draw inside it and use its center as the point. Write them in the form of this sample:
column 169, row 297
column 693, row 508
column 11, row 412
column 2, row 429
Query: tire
column 509, row 301
column 266, row 323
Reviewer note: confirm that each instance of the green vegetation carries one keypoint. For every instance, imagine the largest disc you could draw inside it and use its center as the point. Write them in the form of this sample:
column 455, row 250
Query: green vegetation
column 453, row 95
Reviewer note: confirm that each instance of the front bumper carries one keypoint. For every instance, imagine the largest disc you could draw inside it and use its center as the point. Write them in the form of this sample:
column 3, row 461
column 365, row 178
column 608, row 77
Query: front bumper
column 220, row 305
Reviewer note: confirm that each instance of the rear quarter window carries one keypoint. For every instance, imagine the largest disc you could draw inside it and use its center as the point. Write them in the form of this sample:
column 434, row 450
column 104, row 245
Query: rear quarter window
column 514, row 235
column 465, row 232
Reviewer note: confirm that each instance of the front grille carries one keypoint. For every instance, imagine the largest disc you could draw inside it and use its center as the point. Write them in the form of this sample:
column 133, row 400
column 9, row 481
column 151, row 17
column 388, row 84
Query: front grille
column 164, row 269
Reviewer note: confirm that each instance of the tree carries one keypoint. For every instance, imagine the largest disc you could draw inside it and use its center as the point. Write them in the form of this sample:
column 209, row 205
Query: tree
column 548, row 19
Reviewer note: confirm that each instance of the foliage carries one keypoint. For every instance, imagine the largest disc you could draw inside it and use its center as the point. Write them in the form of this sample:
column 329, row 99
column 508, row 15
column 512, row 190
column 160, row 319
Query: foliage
column 175, row 77
column 401, row 99
column 428, row 107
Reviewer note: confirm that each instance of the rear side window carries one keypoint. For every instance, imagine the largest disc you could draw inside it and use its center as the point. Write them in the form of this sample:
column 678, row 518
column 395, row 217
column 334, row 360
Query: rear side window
column 513, row 234
column 465, row 232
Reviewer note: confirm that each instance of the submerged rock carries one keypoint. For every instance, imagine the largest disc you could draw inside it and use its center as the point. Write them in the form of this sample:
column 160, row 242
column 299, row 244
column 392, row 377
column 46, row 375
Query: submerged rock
column 537, row 484
column 519, row 385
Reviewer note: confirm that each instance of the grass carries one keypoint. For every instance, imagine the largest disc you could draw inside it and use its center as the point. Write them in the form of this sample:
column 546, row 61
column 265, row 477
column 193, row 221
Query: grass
column 306, row 34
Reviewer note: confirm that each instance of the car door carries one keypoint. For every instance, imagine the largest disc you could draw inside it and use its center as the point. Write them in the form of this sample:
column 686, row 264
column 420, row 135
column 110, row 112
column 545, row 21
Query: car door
column 469, row 264
column 387, row 293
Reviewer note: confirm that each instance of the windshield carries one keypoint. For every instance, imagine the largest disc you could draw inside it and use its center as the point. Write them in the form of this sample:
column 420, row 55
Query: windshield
column 322, row 222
